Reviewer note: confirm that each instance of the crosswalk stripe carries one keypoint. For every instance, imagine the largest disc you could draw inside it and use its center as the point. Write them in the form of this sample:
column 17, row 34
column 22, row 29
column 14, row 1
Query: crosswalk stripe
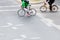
column 10, row 6
column 9, row 10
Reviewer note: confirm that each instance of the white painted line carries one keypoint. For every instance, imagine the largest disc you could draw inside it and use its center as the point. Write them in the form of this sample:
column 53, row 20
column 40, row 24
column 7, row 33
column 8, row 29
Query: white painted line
column 35, row 38
column 48, row 22
column 23, row 36
column 10, row 10
column 10, row 6
column 14, row 27
column 56, row 26
column 17, row 39
column 9, row 24
column 19, row 25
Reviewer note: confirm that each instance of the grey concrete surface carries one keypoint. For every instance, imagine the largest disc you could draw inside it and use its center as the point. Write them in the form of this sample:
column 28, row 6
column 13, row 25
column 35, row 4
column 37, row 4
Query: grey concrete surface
column 13, row 27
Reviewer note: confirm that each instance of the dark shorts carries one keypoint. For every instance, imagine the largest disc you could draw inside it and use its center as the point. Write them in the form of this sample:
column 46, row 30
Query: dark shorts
column 51, row 2
column 25, row 4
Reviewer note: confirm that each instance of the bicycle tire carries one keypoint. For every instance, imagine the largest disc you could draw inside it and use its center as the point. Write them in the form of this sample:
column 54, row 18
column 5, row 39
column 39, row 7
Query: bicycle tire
column 54, row 8
column 21, row 13
column 32, row 12
column 43, row 9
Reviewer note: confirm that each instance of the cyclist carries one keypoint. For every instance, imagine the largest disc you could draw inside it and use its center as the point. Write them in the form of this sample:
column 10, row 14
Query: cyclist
column 50, row 2
column 25, row 4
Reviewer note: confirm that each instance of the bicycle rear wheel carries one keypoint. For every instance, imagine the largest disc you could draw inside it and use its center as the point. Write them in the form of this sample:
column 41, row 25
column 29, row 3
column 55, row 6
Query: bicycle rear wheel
column 32, row 12
column 21, row 12
column 43, row 9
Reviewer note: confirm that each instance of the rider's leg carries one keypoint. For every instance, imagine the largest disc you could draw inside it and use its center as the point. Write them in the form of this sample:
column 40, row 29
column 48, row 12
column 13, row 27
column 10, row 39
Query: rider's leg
column 50, row 6
column 26, row 9
column 28, row 14
column 26, row 6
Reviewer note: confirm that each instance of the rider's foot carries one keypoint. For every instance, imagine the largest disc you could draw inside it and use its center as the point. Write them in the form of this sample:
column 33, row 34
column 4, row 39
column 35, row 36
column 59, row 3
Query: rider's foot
column 28, row 14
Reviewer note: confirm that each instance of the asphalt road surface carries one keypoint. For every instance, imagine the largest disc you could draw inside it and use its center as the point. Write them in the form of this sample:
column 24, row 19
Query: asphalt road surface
column 43, row 26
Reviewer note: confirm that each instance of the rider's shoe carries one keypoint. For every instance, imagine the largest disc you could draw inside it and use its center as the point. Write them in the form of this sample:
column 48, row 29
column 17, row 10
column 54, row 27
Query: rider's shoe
column 28, row 14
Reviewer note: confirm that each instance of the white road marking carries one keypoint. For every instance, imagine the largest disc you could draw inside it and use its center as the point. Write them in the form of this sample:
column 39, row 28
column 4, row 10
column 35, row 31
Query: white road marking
column 57, row 26
column 10, row 10
column 10, row 24
column 35, row 38
column 19, row 25
column 14, row 27
column 23, row 36
column 48, row 22
column 17, row 39
column 10, row 6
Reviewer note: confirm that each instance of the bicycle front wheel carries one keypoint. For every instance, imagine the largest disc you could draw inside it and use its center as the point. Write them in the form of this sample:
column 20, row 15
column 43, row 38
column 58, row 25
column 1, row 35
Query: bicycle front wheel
column 21, row 12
